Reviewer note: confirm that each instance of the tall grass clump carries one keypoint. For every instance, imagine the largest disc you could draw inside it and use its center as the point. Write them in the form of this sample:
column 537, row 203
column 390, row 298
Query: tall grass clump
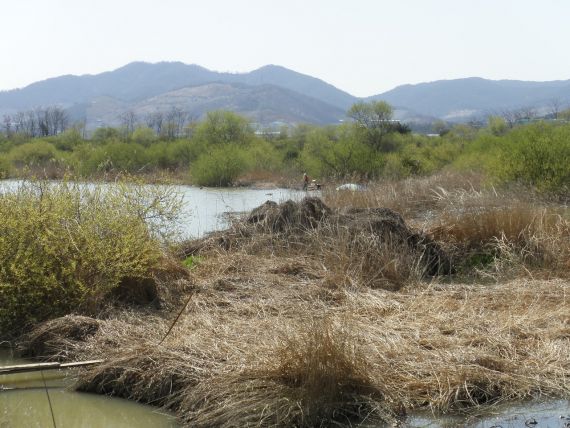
column 373, row 258
column 65, row 247
column 315, row 376
column 516, row 237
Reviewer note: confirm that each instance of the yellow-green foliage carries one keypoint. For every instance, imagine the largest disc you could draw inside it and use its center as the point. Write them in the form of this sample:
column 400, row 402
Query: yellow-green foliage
column 220, row 166
column 4, row 167
column 339, row 152
column 37, row 153
column 537, row 155
column 65, row 247
column 480, row 155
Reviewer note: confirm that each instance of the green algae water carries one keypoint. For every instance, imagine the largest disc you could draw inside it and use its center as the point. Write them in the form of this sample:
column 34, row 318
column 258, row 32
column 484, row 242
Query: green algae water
column 24, row 404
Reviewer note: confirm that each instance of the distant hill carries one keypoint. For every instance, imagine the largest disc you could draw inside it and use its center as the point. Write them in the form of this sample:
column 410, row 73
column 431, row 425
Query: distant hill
column 297, row 97
column 264, row 104
column 462, row 99
column 307, row 85
column 269, row 94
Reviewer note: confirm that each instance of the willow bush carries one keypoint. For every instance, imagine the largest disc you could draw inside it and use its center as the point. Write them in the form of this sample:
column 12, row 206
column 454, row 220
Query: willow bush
column 64, row 247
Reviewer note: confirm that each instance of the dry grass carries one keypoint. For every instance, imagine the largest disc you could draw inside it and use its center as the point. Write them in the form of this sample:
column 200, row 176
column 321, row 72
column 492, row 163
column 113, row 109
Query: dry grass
column 488, row 232
column 522, row 239
column 412, row 198
column 270, row 342
column 301, row 329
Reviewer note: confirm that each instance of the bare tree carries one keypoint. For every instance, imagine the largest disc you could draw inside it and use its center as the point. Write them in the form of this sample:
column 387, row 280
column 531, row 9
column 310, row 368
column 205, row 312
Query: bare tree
column 128, row 121
column 7, row 125
column 155, row 121
column 555, row 107
column 59, row 120
column 175, row 121
column 18, row 123
column 514, row 116
column 43, row 122
column 40, row 122
column 527, row 113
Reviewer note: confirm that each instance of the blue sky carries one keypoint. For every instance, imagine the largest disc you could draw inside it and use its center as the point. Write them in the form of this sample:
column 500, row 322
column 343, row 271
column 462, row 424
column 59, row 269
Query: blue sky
column 364, row 47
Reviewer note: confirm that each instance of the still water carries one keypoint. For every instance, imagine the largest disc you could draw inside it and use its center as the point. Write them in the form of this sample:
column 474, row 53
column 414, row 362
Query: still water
column 24, row 404
column 206, row 210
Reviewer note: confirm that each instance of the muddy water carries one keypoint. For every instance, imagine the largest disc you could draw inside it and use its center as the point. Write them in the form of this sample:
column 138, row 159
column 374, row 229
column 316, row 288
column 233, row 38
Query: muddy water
column 24, row 404
column 533, row 414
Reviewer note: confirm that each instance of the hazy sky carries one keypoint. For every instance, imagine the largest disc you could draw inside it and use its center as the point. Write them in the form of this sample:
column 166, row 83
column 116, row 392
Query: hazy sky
column 361, row 46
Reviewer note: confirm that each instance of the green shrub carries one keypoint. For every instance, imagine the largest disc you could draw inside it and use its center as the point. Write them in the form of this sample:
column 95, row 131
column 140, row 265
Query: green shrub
column 537, row 155
column 4, row 168
column 262, row 156
column 33, row 154
column 339, row 153
column 224, row 127
column 220, row 167
column 184, row 152
column 144, row 136
column 65, row 247
column 68, row 140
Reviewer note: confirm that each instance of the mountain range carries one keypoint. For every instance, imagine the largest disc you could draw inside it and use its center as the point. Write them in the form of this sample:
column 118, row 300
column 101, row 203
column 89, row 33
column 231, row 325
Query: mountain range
column 270, row 94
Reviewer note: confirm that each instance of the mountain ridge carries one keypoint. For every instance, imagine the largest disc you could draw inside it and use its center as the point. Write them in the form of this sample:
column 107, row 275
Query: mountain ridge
column 302, row 97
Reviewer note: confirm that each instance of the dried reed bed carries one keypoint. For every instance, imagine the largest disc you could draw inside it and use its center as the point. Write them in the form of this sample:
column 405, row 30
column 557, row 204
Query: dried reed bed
column 412, row 197
column 299, row 329
column 522, row 238
column 270, row 342
column 487, row 232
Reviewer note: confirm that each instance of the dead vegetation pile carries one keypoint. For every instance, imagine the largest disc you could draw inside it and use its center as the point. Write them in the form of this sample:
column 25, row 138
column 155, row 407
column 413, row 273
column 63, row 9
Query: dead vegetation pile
column 293, row 321
column 55, row 338
column 372, row 244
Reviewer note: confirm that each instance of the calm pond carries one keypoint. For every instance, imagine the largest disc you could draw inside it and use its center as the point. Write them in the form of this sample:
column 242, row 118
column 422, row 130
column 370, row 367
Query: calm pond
column 24, row 402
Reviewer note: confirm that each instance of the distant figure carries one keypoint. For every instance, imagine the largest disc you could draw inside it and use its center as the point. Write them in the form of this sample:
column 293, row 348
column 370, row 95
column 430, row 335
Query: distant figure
column 305, row 181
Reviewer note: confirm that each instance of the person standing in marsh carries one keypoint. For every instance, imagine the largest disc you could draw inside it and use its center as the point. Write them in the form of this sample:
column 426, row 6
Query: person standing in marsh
column 305, row 181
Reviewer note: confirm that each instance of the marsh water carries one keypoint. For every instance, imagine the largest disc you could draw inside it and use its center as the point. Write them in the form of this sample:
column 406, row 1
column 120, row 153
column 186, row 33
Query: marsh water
column 24, row 404
column 24, row 400
column 530, row 414
column 206, row 210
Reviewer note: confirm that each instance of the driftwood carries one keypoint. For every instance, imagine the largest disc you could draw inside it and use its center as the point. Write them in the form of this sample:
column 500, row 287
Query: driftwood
column 22, row 368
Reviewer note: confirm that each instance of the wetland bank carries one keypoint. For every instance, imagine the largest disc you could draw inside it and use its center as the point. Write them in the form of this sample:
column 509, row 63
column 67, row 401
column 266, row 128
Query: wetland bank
column 358, row 307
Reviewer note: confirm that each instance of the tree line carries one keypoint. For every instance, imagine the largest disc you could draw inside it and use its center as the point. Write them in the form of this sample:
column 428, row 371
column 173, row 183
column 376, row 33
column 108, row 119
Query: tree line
column 223, row 149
